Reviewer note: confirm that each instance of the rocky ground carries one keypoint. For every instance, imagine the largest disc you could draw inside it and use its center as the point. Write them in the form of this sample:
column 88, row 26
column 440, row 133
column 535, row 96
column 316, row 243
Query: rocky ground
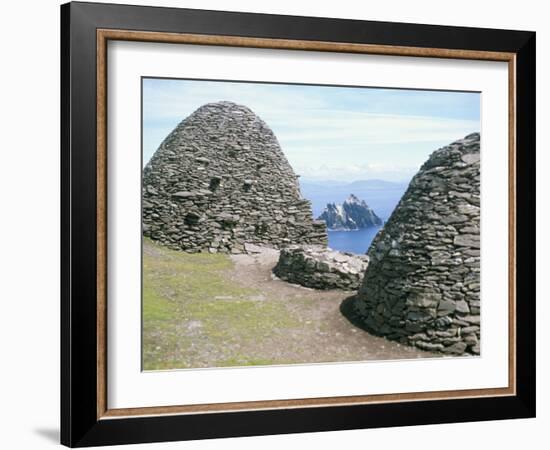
column 204, row 310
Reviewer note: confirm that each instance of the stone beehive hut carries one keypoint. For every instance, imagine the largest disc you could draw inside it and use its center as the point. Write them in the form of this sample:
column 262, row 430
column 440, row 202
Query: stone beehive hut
column 422, row 283
column 219, row 181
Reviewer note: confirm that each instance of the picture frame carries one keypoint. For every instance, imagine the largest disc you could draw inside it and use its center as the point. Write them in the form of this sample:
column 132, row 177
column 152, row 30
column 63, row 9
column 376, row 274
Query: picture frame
column 86, row 418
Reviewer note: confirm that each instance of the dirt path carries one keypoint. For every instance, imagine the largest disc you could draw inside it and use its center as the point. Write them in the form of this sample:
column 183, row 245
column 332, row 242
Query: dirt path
column 214, row 310
column 327, row 334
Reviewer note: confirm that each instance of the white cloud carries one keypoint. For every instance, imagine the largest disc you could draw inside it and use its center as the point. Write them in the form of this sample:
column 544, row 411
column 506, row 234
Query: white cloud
column 325, row 133
column 351, row 172
column 369, row 128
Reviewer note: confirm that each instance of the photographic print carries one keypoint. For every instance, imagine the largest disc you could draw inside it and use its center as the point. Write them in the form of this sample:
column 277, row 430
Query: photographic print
column 297, row 224
column 288, row 223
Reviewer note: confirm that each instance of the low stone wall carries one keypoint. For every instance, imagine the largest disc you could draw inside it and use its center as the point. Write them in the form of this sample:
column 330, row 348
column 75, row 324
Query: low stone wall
column 321, row 268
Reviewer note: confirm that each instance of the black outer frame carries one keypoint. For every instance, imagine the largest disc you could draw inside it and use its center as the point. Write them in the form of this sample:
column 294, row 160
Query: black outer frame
column 79, row 423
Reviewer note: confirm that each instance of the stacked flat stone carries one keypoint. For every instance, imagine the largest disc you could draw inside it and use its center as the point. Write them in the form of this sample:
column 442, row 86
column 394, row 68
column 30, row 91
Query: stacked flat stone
column 220, row 180
column 319, row 267
column 422, row 283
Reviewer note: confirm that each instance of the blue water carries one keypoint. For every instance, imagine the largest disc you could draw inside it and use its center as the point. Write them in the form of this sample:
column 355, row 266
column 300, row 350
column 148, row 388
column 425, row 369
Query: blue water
column 357, row 242
column 382, row 196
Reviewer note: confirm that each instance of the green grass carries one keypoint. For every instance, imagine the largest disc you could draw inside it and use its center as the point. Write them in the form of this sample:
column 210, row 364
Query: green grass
column 195, row 316
column 156, row 308
column 239, row 319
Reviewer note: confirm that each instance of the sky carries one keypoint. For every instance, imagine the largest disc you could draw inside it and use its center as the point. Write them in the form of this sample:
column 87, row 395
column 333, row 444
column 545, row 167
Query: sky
column 327, row 133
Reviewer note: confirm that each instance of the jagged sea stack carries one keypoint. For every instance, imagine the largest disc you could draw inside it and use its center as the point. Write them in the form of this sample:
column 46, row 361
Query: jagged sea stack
column 219, row 181
column 422, row 283
column 353, row 214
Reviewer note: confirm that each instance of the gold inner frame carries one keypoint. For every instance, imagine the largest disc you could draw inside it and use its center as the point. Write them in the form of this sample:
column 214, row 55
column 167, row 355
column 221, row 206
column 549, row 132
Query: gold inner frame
column 104, row 35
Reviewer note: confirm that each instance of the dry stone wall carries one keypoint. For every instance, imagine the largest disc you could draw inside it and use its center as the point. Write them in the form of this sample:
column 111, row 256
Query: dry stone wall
column 319, row 267
column 220, row 180
column 422, row 283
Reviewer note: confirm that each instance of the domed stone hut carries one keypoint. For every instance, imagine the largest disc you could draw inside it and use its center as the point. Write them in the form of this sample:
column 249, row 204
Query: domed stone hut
column 421, row 286
column 220, row 181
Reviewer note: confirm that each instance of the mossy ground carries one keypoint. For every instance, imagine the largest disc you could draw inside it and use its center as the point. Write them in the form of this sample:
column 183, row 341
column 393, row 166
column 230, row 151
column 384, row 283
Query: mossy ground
column 206, row 310
column 189, row 305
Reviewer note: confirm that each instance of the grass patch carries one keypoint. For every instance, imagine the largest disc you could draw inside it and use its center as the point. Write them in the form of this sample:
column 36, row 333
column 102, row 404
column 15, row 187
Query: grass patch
column 195, row 316
column 156, row 308
column 240, row 319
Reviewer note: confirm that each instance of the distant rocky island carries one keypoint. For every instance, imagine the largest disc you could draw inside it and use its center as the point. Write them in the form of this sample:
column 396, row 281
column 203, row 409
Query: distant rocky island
column 353, row 214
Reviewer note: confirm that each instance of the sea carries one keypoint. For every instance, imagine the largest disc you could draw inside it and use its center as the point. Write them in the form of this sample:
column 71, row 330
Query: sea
column 353, row 241
column 382, row 196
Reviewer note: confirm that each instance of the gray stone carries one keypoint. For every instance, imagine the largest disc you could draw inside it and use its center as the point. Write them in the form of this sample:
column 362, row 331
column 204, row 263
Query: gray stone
column 446, row 306
column 184, row 194
column 470, row 158
column 472, row 319
column 470, row 329
column 457, row 348
column 462, row 307
column 423, row 300
column 467, row 240
column 429, row 346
